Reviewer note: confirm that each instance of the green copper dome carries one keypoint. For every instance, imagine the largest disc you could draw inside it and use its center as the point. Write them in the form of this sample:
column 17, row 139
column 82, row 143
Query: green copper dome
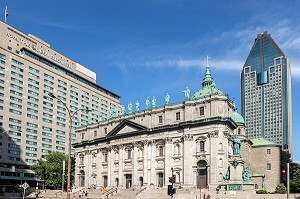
column 208, row 87
column 238, row 118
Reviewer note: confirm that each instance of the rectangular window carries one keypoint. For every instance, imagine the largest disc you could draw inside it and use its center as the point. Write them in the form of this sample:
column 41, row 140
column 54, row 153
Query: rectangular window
column 178, row 116
column 34, row 70
column 48, row 81
column 160, row 119
column 49, row 76
column 268, row 151
column 62, row 82
column 17, row 62
column 201, row 111
column 269, row 166
column 33, row 81
column 16, row 74
column 33, row 75
column 17, row 68
column 16, row 80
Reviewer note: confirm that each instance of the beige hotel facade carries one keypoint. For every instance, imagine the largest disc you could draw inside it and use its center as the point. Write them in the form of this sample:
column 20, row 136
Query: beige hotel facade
column 32, row 123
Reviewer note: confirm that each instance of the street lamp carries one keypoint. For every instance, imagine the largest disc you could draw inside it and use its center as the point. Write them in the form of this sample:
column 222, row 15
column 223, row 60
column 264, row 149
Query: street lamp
column 70, row 140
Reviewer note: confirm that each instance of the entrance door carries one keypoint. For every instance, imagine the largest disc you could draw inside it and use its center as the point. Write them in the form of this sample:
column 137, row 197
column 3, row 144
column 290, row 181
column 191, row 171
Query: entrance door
column 160, row 179
column 201, row 173
column 128, row 182
column 141, row 181
column 105, row 181
column 81, row 178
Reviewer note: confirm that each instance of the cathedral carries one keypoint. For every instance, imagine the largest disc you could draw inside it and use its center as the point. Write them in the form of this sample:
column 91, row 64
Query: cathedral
column 191, row 141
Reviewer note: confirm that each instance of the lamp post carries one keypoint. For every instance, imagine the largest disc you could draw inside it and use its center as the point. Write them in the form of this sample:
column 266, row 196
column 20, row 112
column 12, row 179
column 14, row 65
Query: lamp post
column 70, row 140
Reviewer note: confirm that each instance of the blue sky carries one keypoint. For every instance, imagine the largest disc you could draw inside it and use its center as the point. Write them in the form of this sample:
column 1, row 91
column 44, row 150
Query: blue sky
column 142, row 48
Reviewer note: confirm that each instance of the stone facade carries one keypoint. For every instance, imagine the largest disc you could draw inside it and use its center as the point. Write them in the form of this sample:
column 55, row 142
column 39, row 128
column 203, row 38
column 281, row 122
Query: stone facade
column 141, row 148
column 191, row 140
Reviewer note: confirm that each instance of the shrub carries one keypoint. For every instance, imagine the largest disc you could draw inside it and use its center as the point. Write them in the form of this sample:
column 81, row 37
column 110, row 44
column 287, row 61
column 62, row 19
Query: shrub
column 281, row 189
column 261, row 192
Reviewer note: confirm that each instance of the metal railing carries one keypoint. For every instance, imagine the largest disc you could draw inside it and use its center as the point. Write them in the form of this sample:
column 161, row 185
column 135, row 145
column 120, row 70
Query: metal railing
column 110, row 192
column 140, row 191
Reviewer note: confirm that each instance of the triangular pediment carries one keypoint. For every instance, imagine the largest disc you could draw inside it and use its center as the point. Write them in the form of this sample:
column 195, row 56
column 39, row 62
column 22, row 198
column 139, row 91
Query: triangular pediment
column 126, row 127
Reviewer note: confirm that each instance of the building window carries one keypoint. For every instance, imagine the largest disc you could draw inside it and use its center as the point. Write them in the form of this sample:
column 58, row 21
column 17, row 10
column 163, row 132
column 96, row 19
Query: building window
column 269, row 166
column 201, row 111
column 268, row 151
column 178, row 116
column 105, row 158
column 202, row 146
column 82, row 136
column 128, row 151
column 105, row 130
column 95, row 134
column 160, row 151
column 81, row 160
column 160, row 119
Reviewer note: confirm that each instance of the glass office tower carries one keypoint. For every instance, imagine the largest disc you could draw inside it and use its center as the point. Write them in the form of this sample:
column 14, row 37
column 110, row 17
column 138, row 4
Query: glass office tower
column 266, row 93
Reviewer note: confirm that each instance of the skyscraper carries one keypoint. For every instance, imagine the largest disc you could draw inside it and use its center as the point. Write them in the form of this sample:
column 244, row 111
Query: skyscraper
column 266, row 93
column 32, row 123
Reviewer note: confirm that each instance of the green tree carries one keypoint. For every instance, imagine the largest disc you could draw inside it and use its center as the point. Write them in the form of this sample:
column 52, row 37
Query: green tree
column 295, row 184
column 51, row 169
column 281, row 189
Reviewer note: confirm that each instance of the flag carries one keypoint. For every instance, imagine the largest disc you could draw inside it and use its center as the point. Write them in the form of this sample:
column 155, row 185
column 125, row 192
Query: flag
column 5, row 14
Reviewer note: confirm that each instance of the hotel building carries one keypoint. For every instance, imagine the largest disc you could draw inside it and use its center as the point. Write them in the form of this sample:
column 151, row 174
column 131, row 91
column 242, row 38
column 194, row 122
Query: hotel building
column 32, row 123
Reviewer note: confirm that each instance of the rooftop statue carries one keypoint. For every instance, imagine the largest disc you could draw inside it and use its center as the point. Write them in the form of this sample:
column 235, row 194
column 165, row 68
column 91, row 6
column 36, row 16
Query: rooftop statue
column 167, row 99
column 187, row 93
column 130, row 107
column 246, row 175
column 137, row 106
column 153, row 102
column 236, row 146
column 147, row 103
column 123, row 110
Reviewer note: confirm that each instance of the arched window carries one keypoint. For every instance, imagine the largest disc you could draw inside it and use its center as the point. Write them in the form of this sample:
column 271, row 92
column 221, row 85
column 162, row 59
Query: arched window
column 220, row 162
column 116, row 156
column 220, row 177
column 220, row 146
column 202, row 146
column 177, row 149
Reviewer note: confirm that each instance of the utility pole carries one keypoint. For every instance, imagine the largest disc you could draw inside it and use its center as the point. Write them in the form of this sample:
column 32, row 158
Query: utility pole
column 63, row 175
column 172, row 169
column 288, row 180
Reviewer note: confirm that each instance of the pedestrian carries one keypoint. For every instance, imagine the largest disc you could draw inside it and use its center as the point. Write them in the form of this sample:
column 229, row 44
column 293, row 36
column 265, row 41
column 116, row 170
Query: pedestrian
column 80, row 193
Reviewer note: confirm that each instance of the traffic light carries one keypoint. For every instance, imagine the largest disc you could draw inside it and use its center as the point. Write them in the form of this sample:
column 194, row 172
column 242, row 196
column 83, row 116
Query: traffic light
column 172, row 179
column 73, row 164
column 171, row 190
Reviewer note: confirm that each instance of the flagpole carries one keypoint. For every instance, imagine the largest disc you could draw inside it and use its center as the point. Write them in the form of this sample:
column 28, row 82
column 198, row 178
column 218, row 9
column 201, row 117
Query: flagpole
column 5, row 13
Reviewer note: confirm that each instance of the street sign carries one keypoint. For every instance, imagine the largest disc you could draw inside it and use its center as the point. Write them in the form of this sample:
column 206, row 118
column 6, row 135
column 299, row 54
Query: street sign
column 25, row 185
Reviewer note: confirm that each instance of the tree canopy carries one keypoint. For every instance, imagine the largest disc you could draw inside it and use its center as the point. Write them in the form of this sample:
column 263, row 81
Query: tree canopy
column 50, row 169
column 295, row 184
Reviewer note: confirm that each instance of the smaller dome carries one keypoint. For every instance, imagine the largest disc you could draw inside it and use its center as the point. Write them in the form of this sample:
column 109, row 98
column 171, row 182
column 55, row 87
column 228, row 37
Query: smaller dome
column 238, row 118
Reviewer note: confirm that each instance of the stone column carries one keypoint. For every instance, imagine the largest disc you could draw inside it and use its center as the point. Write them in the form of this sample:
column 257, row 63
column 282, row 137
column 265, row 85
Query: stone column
column 187, row 160
column 112, row 167
column 152, row 163
column 135, row 165
column 145, row 162
column 212, row 171
column 121, row 159
column 100, row 168
column 108, row 166
column 168, row 159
